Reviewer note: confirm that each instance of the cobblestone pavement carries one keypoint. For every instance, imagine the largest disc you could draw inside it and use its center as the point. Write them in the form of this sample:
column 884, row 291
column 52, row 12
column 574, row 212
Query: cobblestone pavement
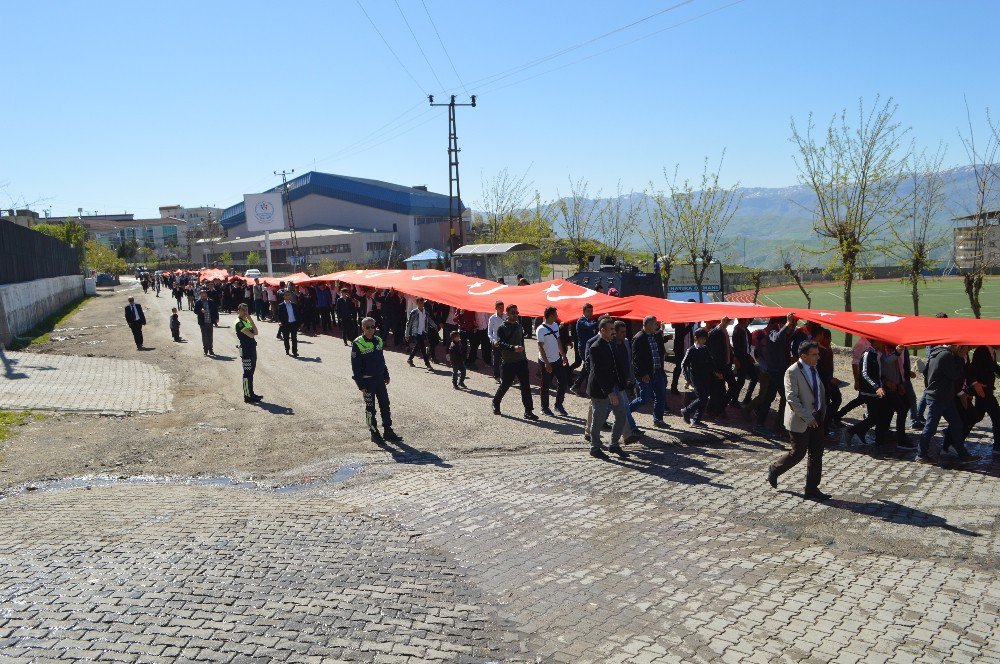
column 82, row 384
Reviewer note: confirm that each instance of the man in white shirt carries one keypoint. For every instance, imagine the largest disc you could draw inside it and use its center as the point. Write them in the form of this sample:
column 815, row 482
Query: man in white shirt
column 494, row 323
column 552, row 359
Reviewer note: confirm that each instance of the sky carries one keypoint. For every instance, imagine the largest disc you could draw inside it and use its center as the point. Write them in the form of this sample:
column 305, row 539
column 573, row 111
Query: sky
column 127, row 106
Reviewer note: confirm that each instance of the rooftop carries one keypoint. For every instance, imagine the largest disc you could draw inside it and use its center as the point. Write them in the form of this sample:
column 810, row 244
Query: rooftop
column 371, row 193
column 115, row 224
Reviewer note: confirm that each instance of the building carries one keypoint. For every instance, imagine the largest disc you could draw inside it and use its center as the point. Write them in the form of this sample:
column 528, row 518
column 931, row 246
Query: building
column 195, row 217
column 26, row 218
column 410, row 218
column 980, row 242
column 168, row 237
column 346, row 246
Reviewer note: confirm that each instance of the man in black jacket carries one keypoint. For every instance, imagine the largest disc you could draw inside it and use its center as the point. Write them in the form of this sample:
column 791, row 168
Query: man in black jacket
column 699, row 370
column 944, row 373
column 721, row 350
column 606, row 380
column 135, row 318
column 746, row 367
column 683, row 339
column 207, row 312
column 510, row 344
column 648, row 355
column 290, row 318
column 983, row 372
column 871, row 388
column 347, row 315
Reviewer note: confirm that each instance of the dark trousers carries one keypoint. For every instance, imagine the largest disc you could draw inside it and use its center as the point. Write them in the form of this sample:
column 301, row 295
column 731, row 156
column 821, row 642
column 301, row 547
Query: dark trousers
column 878, row 416
column 207, row 337
column 851, row 405
column 260, row 309
column 399, row 330
column 349, row 329
column 136, row 333
column 808, row 442
column 834, row 398
column 477, row 340
column 747, row 371
column 988, row 405
column 290, row 335
column 559, row 373
column 897, row 407
column 696, row 409
column 775, row 386
column 325, row 320
column 721, row 387
column 249, row 359
column 175, row 332
column 375, row 391
column 496, row 361
column 508, row 373
column 678, row 356
column 419, row 343
column 457, row 374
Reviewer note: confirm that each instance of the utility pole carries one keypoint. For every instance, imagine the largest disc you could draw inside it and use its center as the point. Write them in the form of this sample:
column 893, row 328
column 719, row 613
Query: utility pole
column 454, row 185
column 288, row 210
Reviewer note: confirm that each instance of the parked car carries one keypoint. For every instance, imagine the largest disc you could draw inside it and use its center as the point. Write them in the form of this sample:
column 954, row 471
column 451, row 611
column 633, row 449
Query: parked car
column 105, row 280
column 252, row 274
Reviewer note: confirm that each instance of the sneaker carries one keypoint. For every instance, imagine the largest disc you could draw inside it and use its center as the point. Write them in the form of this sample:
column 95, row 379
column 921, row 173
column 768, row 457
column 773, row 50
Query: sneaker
column 617, row 449
column 530, row 416
column 496, row 408
column 410, row 361
column 561, row 410
column 546, row 411
column 660, row 424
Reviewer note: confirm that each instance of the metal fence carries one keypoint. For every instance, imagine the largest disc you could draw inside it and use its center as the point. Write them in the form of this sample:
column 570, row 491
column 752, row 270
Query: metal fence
column 26, row 255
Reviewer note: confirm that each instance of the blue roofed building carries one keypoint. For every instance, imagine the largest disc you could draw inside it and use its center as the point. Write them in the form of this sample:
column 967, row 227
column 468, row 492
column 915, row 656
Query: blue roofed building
column 411, row 218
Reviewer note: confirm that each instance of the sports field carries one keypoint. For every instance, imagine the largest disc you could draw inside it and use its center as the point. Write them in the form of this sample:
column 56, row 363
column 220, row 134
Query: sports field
column 892, row 296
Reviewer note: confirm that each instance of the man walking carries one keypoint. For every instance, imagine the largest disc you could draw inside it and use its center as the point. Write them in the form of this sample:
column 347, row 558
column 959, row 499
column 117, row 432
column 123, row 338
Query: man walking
column 496, row 320
column 872, row 389
column 207, row 312
column 721, row 350
column 419, row 324
column 746, row 368
column 776, row 347
column 698, row 369
column 806, row 403
column 259, row 302
column 604, row 384
column 347, row 315
column 371, row 375
column 135, row 318
column 586, row 329
column 944, row 372
column 289, row 317
column 246, row 335
column 552, row 360
column 648, row 351
column 510, row 343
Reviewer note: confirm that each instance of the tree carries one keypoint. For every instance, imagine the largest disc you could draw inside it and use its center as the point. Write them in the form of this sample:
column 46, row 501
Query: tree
column 70, row 231
column 146, row 254
column 914, row 237
column 504, row 196
column 324, row 266
column 755, row 276
column 127, row 250
column 794, row 264
column 619, row 220
column 663, row 235
column 226, row 258
column 103, row 259
column 579, row 220
column 253, row 260
column 983, row 159
column 703, row 215
column 854, row 173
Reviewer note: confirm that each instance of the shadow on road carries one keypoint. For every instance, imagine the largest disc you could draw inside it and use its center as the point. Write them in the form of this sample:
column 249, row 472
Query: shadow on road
column 8, row 367
column 403, row 453
column 274, row 408
column 893, row 512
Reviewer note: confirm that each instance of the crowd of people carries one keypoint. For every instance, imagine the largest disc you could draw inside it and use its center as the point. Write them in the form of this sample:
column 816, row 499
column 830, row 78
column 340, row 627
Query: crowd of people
column 729, row 371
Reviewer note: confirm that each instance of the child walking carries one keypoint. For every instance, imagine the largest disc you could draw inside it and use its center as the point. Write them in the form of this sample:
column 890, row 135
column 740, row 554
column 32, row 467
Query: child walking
column 175, row 325
column 457, row 352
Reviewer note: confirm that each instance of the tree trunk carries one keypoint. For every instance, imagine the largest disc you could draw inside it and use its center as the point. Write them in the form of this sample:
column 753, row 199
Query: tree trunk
column 972, row 285
column 916, row 293
column 848, row 283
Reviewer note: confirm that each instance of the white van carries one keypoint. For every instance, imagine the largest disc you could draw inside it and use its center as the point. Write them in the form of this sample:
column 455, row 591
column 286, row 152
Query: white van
column 252, row 274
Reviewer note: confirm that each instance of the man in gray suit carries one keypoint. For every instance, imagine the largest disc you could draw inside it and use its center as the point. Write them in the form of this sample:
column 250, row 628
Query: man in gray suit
column 803, row 417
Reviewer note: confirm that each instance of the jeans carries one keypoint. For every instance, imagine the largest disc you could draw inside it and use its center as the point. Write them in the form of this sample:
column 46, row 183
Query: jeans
column 696, row 409
column 936, row 409
column 655, row 389
column 260, row 308
column 921, row 408
column 603, row 408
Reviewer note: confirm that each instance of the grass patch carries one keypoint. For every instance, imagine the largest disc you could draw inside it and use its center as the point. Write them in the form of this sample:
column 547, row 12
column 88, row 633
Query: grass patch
column 15, row 418
column 40, row 333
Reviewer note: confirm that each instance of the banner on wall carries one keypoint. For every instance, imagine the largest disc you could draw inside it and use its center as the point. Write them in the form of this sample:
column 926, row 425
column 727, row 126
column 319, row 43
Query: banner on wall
column 264, row 212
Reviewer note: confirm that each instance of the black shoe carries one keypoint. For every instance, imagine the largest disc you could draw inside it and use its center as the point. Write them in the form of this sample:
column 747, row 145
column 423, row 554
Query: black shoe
column 377, row 437
column 968, row 458
column 256, row 397
column 817, row 495
column 461, row 383
column 530, row 416
column 772, row 479
column 634, row 437
column 906, row 445
column 496, row 409
column 392, row 436
column 698, row 424
column 923, row 458
column 455, row 385
column 598, row 453
column 428, row 365
column 660, row 424
column 410, row 362
column 295, row 354
column 287, row 353
column 687, row 416
column 617, row 449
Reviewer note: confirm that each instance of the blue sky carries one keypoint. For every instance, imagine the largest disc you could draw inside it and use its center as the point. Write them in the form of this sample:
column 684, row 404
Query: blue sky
column 115, row 106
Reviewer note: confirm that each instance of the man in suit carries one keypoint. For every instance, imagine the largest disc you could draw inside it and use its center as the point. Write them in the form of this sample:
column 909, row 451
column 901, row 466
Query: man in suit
column 605, row 384
column 804, row 394
column 648, row 355
column 290, row 317
column 746, row 368
column 419, row 324
column 135, row 319
column 721, row 350
column 982, row 374
column 347, row 315
column 207, row 312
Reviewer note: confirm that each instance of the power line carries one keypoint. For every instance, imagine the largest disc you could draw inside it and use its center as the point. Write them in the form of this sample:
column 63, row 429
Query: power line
column 419, row 47
column 613, row 48
column 391, row 125
column 443, row 47
column 386, row 140
column 391, row 50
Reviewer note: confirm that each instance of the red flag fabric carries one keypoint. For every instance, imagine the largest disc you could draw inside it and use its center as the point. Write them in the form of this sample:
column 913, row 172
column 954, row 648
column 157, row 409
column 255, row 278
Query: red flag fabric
column 212, row 274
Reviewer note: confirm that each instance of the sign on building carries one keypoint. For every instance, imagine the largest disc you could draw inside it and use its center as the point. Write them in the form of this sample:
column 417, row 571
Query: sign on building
column 264, row 212
column 682, row 279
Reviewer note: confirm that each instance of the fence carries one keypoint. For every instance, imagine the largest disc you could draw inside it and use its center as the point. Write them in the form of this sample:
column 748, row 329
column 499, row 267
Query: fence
column 26, row 255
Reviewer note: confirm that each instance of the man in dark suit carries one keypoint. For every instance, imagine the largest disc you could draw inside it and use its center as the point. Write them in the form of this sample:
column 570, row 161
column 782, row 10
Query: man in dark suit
column 746, row 367
column 721, row 350
column 207, row 312
column 135, row 319
column 982, row 375
column 347, row 315
column 606, row 381
column 648, row 355
column 290, row 317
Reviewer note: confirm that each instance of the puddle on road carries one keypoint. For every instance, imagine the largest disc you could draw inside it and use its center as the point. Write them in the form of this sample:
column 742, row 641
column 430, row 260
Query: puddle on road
column 340, row 476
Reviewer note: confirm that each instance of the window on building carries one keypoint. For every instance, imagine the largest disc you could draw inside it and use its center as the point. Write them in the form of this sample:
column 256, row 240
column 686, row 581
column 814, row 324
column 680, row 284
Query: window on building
column 379, row 246
column 420, row 221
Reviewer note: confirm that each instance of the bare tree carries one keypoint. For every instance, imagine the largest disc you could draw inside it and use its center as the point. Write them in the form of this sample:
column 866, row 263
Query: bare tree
column 756, row 278
column 619, row 220
column 663, row 235
column 914, row 236
column 855, row 174
column 504, row 197
column 976, row 262
column 793, row 262
column 579, row 219
column 703, row 217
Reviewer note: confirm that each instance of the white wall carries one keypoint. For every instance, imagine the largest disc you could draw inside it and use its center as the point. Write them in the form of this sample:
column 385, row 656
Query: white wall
column 24, row 305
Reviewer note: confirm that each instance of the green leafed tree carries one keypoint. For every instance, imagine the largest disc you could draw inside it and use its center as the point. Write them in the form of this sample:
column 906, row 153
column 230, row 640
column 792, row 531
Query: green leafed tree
column 226, row 258
column 103, row 259
column 253, row 259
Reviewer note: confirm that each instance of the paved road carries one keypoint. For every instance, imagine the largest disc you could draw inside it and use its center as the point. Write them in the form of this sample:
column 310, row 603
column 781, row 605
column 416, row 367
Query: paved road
column 479, row 539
